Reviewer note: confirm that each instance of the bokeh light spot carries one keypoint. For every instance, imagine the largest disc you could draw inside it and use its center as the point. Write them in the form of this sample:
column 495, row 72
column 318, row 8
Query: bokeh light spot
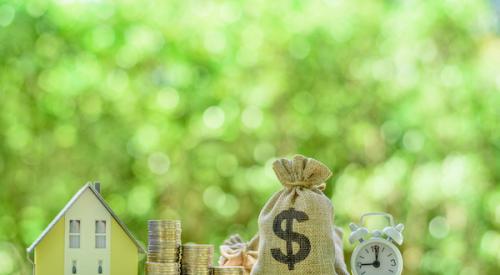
column 230, row 206
column 213, row 197
column 252, row 117
column 215, row 42
column 117, row 203
column 490, row 242
column 299, row 48
column 439, row 228
column 454, row 175
column 146, row 138
column 167, row 99
column 36, row 8
column 220, row 202
column 263, row 152
column 391, row 131
column 413, row 141
column 102, row 37
column 6, row 261
column 213, row 117
column 158, row 163
column 7, row 14
column 140, row 200
column 117, row 83
column 424, row 180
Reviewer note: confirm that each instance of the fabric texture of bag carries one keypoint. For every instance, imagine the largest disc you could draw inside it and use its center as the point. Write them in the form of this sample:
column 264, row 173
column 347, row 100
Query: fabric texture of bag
column 296, row 224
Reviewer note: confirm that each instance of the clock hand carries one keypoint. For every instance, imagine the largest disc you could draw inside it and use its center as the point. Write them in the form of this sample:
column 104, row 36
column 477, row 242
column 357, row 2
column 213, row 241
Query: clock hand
column 376, row 263
column 362, row 264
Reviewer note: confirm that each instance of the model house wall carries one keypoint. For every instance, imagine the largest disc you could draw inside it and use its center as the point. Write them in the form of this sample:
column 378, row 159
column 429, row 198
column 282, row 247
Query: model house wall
column 49, row 253
column 124, row 258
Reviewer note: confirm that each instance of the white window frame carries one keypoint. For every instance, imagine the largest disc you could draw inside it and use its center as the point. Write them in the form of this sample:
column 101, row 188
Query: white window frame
column 99, row 235
column 75, row 234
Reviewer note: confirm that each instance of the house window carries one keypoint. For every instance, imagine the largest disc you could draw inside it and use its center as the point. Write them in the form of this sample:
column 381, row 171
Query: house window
column 100, row 234
column 74, row 234
column 73, row 267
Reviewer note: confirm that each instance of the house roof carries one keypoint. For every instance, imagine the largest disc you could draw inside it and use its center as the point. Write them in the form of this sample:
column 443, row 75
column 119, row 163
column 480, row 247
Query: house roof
column 68, row 206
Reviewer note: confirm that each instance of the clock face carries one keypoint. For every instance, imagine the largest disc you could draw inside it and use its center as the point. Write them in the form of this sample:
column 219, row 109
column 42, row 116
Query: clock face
column 377, row 257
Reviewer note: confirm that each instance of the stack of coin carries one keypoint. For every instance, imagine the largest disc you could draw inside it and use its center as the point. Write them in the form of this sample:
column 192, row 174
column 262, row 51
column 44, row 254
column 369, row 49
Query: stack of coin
column 164, row 243
column 228, row 270
column 197, row 259
column 162, row 268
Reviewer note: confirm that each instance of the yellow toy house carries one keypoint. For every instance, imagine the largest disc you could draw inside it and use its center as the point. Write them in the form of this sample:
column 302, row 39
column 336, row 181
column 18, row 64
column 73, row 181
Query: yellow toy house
column 86, row 238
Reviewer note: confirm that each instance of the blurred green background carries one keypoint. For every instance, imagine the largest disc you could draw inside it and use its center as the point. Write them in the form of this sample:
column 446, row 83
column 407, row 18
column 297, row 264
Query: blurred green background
column 180, row 107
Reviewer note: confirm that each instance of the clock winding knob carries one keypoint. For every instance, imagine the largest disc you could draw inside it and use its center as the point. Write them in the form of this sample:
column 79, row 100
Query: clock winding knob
column 358, row 233
column 395, row 233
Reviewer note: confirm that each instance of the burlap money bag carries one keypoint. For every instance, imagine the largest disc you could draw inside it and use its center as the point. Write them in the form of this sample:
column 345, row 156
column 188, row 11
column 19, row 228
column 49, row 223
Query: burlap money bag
column 340, row 266
column 236, row 252
column 296, row 224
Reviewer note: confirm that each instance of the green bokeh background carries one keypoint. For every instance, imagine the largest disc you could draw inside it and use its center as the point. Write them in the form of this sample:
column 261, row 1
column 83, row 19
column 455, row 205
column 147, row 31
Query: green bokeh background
column 180, row 107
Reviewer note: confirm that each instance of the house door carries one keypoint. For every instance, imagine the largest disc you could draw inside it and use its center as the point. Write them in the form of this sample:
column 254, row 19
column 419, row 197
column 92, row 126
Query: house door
column 87, row 234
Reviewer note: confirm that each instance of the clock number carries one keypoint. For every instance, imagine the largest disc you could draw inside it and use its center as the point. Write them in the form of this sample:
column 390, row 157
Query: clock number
column 393, row 262
column 375, row 248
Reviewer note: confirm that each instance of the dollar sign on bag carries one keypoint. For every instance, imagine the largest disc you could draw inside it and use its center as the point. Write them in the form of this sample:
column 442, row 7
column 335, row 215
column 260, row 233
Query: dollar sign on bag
column 290, row 236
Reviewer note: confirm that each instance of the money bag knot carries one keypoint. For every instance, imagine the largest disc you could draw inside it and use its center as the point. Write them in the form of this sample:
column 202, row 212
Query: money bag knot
column 302, row 171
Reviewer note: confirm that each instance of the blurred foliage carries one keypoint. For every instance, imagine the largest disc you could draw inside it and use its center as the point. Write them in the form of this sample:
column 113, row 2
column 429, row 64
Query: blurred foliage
column 179, row 107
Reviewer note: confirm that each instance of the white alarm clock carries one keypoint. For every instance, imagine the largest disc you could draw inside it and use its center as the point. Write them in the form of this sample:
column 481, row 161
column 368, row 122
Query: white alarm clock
column 377, row 255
